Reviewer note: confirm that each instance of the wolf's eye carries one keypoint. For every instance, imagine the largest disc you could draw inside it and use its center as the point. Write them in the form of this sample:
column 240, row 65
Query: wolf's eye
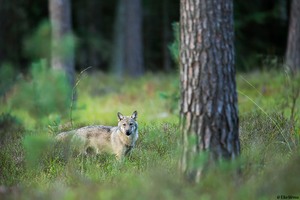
column 131, row 124
column 124, row 124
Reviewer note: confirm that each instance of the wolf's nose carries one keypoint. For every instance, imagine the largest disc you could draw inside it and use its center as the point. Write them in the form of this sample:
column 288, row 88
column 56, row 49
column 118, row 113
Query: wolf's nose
column 127, row 132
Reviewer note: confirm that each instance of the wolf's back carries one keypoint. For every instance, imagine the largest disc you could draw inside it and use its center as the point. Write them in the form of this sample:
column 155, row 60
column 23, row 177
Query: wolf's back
column 64, row 135
column 86, row 132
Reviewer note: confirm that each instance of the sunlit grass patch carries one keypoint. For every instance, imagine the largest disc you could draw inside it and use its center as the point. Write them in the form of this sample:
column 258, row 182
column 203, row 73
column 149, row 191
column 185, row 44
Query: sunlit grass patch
column 260, row 89
column 99, row 103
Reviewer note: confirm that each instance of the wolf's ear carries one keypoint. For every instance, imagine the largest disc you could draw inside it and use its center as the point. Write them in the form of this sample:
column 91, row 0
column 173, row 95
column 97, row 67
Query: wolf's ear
column 120, row 116
column 134, row 115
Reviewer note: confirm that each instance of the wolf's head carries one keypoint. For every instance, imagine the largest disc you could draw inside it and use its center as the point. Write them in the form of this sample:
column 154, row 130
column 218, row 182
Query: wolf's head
column 128, row 124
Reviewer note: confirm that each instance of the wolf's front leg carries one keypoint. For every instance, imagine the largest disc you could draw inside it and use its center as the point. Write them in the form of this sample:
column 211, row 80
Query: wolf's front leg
column 119, row 157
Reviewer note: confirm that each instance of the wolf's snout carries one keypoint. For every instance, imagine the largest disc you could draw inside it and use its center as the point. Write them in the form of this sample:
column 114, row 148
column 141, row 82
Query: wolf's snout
column 128, row 133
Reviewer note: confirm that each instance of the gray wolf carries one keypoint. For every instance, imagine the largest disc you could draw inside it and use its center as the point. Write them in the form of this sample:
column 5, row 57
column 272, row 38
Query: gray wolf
column 118, row 140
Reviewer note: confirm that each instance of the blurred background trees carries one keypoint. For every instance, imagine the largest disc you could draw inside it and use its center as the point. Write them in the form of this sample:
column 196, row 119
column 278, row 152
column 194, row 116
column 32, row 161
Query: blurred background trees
column 261, row 33
column 62, row 49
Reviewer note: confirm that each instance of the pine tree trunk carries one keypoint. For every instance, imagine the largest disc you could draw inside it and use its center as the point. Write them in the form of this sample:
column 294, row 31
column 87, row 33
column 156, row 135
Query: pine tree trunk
column 62, row 41
column 133, row 38
column 293, row 44
column 128, row 42
column 94, row 56
column 166, row 36
column 209, row 113
column 118, row 60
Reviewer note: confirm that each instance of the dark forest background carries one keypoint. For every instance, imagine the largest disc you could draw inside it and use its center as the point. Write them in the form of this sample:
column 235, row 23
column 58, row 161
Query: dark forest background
column 260, row 32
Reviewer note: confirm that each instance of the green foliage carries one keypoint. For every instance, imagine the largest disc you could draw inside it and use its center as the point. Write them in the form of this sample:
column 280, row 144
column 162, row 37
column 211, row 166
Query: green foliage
column 11, row 155
column 38, row 44
column 36, row 147
column 172, row 97
column 44, row 169
column 45, row 94
column 65, row 46
column 10, row 128
column 7, row 78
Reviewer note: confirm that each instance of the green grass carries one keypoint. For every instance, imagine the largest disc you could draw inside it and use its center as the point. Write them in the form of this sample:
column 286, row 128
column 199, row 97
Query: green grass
column 33, row 166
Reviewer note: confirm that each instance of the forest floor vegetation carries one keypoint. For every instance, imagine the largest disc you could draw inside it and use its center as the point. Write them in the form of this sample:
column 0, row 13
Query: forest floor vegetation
column 32, row 166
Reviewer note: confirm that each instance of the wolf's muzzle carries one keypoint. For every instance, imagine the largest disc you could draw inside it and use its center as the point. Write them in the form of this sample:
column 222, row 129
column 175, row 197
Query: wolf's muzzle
column 128, row 133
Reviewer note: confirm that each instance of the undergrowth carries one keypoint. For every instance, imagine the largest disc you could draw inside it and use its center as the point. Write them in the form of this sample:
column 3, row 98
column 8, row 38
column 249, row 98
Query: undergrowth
column 34, row 166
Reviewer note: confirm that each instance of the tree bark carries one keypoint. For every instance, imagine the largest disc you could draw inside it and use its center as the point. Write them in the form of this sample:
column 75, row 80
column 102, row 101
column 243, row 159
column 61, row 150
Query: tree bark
column 292, row 55
column 62, row 40
column 209, row 112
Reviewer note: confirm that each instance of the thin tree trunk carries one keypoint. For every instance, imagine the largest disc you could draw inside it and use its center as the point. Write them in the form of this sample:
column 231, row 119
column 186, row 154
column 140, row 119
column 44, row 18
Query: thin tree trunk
column 62, row 41
column 118, row 59
column 133, row 38
column 209, row 113
column 128, row 42
column 94, row 56
column 293, row 43
column 166, row 36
